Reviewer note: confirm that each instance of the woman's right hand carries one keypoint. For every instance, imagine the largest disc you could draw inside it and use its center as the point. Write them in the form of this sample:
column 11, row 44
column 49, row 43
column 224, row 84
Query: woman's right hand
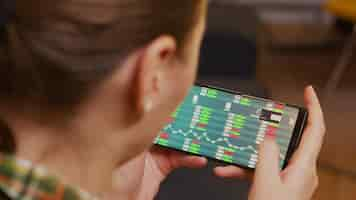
column 299, row 180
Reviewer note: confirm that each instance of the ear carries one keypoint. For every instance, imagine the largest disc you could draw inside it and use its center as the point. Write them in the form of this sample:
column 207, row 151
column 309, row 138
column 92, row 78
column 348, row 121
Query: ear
column 151, row 65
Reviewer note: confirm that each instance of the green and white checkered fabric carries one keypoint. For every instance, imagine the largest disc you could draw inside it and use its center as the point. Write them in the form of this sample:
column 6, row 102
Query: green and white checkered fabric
column 20, row 180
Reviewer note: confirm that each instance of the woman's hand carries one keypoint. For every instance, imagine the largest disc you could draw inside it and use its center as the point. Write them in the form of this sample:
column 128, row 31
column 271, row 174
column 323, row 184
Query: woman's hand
column 140, row 178
column 299, row 180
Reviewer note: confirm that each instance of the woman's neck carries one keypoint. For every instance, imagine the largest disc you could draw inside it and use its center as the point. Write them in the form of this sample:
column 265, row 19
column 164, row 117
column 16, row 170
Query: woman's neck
column 84, row 153
column 73, row 154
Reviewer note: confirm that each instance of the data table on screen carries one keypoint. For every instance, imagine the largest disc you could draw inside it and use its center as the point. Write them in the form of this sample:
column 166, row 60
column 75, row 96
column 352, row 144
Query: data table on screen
column 228, row 127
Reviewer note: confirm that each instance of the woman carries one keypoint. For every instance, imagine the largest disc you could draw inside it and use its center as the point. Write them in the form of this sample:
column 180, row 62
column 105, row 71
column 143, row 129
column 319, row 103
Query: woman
column 86, row 85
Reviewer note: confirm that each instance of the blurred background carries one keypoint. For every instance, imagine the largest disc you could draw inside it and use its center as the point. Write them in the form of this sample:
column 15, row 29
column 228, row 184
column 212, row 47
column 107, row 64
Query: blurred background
column 274, row 48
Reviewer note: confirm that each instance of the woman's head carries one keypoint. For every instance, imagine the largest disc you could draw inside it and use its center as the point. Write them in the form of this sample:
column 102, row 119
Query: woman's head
column 111, row 64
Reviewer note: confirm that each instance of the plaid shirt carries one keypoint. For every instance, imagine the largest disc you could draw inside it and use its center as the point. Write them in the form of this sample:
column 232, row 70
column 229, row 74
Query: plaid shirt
column 20, row 180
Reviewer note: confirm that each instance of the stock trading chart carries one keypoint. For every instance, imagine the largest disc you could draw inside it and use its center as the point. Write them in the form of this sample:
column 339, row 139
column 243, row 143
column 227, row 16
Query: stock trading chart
column 228, row 127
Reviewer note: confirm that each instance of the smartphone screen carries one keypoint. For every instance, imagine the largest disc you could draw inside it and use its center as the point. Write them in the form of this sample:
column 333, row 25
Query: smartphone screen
column 229, row 127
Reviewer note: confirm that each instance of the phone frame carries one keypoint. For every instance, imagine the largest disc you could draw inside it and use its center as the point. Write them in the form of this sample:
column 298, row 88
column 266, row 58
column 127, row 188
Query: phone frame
column 293, row 144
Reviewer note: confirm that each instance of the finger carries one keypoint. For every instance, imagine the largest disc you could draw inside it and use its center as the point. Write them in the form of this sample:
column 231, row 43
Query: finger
column 180, row 160
column 268, row 161
column 232, row 172
column 314, row 133
column 171, row 160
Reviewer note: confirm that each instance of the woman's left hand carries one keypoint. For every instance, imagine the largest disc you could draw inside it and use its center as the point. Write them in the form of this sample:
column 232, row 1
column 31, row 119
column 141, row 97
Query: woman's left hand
column 140, row 178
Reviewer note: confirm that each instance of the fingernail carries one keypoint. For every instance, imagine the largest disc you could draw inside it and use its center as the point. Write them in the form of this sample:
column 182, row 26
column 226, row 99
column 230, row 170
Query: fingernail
column 312, row 88
column 313, row 92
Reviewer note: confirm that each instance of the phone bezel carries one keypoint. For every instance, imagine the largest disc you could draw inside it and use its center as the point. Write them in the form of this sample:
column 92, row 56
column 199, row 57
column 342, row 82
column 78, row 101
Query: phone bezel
column 293, row 144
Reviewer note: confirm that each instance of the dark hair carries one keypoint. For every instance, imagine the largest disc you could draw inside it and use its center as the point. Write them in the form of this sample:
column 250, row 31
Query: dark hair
column 55, row 58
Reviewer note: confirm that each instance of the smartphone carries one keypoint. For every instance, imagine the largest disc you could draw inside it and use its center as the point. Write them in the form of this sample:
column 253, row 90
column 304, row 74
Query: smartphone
column 228, row 126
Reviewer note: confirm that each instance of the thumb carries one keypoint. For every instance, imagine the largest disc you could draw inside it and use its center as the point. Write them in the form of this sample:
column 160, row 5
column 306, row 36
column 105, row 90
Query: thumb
column 268, row 161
